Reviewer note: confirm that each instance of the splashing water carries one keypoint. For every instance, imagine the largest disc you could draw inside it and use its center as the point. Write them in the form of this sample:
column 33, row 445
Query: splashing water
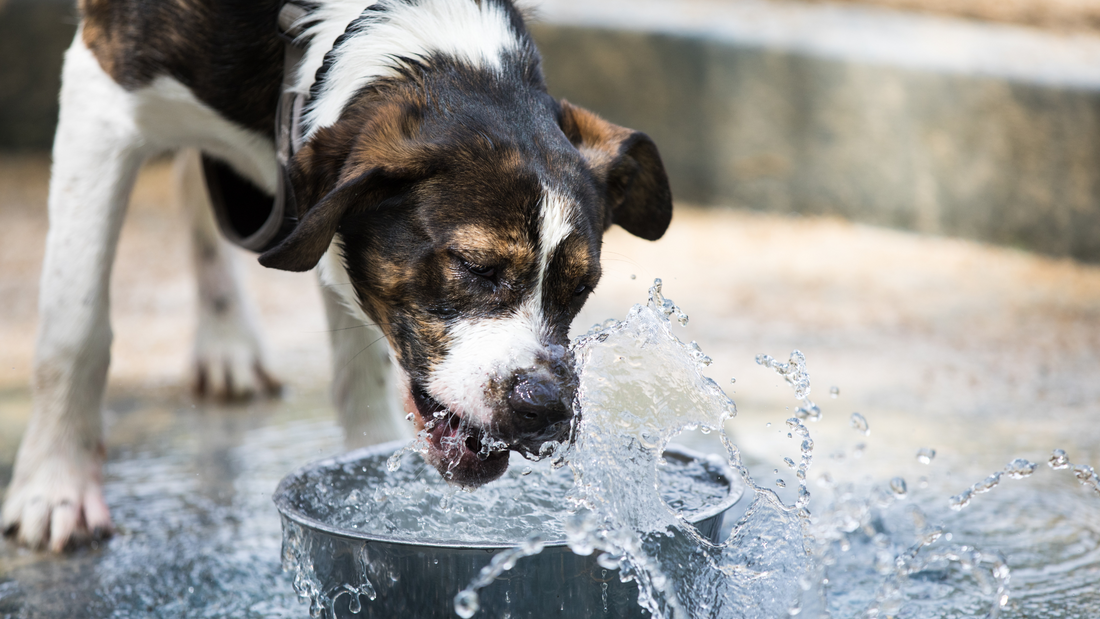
column 868, row 549
column 778, row 559
column 794, row 372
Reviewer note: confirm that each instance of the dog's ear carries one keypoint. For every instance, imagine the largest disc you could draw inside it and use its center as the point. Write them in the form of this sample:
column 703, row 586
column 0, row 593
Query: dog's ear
column 311, row 237
column 629, row 167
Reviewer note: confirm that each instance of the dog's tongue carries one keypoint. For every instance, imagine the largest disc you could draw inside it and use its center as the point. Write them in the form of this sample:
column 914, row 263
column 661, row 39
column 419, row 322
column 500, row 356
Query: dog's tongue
column 462, row 457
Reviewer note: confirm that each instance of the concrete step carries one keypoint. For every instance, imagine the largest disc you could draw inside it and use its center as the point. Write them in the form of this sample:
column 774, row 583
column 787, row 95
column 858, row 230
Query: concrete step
column 934, row 124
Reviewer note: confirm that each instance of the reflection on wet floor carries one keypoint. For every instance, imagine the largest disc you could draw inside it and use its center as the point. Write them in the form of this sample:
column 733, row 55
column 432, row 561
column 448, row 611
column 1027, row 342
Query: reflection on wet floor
column 190, row 490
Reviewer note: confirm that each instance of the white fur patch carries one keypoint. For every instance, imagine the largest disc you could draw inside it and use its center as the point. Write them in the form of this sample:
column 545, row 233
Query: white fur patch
column 557, row 223
column 488, row 349
column 484, row 350
column 475, row 33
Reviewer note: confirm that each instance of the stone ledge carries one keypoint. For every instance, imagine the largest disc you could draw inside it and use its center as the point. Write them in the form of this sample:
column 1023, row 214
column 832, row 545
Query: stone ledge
column 989, row 132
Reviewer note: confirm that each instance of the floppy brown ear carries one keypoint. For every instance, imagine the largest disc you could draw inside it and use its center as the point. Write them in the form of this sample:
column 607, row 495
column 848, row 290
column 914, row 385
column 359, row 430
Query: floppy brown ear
column 303, row 248
column 628, row 165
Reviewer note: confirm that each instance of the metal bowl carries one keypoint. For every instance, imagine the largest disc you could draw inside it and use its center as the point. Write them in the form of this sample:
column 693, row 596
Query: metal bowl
column 346, row 573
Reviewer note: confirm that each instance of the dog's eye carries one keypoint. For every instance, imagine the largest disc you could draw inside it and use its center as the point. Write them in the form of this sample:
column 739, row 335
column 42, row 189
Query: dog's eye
column 480, row 271
column 581, row 289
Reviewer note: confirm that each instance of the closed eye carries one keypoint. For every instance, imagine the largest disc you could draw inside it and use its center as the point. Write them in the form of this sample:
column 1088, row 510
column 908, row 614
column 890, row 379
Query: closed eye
column 488, row 273
column 581, row 289
column 480, row 271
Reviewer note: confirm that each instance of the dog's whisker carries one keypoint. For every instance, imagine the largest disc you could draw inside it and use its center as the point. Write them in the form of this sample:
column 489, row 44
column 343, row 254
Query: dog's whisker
column 349, row 361
column 366, row 324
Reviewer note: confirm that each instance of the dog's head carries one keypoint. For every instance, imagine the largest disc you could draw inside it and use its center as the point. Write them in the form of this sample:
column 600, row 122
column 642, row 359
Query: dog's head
column 469, row 223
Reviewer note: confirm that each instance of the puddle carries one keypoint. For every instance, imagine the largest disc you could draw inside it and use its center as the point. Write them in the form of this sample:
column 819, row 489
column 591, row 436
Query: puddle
column 197, row 535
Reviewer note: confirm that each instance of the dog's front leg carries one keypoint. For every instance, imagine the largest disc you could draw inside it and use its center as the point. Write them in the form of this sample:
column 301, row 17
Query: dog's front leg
column 228, row 359
column 362, row 376
column 56, row 492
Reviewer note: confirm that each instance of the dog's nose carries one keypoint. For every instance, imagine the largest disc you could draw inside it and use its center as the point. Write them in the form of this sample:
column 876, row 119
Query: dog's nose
column 537, row 402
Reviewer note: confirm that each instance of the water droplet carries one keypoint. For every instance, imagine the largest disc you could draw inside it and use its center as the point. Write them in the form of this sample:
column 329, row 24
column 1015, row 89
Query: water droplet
column 961, row 500
column 775, row 471
column 633, row 276
column 897, row 485
column 925, row 455
column 789, row 462
column 859, row 422
column 733, row 380
column 466, row 604
column 1087, row 476
column 834, row 392
column 780, row 483
column 1059, row 460
column 394, row 461
column 408, row 417
column 1020, row 468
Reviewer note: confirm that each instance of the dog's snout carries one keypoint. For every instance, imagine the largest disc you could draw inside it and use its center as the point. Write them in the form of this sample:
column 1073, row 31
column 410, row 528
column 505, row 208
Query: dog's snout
column 538, row 401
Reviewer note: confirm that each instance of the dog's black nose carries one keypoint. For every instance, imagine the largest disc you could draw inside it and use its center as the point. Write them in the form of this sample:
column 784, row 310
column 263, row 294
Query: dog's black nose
column 537, row 402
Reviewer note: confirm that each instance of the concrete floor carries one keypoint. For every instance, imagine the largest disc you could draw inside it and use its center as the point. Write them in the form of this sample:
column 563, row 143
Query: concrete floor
column 983, row 353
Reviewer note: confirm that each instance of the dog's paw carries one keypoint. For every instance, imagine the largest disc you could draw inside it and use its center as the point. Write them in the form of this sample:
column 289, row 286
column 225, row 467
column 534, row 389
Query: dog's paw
column 228, row 361
column 57, row 502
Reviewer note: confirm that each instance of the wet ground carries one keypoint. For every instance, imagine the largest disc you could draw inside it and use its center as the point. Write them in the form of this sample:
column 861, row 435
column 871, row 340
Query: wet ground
column 984, row 354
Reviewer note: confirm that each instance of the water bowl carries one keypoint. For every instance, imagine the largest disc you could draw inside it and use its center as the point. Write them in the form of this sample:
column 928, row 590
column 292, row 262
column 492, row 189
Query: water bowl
column 361, row 540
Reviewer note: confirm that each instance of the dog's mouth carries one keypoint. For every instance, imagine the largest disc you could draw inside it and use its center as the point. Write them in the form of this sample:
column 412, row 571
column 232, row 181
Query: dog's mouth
column 463, row 453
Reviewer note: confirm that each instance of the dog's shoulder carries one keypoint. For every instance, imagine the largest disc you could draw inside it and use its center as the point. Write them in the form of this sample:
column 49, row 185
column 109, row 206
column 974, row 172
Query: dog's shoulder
column 227, row 52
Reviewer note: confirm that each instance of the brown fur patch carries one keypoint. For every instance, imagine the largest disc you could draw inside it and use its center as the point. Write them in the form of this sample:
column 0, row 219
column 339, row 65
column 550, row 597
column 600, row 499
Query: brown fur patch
column 627, row 165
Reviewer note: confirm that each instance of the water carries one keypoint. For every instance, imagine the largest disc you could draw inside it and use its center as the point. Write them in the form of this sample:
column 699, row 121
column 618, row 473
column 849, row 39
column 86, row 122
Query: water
column 865, row 549
column 412, row 502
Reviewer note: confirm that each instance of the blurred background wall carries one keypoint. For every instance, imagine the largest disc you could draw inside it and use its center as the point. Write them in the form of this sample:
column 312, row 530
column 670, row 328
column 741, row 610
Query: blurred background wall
column 986, row 129
column 33, row 37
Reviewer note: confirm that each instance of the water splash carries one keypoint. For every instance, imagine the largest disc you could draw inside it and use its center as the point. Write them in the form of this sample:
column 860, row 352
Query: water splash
column 1084, row 473
column 467, row 602
column 778, row 558
column 1017, row 469
column 628, row 418
column 794, row 372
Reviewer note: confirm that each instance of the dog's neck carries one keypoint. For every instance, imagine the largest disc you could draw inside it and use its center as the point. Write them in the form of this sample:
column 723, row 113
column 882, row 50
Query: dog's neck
column 349, row 46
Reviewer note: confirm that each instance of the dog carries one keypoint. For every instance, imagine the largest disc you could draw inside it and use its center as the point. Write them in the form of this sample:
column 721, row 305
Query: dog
column 445, row 199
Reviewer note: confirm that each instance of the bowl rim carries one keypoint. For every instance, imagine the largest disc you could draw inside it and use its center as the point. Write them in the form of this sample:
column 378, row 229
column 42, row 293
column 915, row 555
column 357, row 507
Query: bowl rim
column 282, row 500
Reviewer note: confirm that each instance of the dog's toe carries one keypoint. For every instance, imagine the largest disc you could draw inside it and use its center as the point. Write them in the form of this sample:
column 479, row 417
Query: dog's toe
column 230, row 365
column 57, row 505
column 234, row 375
column 97, row 518
column 63, row 524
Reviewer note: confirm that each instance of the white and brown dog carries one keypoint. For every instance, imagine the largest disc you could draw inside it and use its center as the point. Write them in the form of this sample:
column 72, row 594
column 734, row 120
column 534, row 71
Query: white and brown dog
column 440, row 192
